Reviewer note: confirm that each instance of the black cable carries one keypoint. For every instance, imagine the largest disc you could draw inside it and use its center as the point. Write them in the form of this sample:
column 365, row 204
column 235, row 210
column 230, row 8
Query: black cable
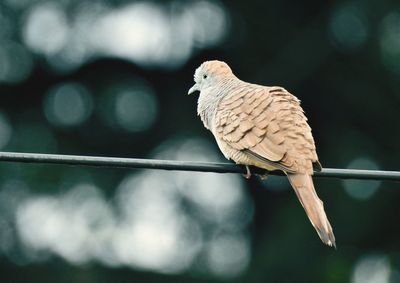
column 183, row 165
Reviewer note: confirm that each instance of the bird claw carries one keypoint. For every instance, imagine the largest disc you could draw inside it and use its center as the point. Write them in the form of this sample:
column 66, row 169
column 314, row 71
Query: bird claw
column 263, row 177
column 248, row 173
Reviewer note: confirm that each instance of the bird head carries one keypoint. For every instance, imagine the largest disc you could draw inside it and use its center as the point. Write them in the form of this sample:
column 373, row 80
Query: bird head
column 209, row 73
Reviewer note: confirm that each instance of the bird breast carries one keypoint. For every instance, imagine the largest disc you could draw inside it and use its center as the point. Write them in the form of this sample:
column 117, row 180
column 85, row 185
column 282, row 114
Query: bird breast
column 207, row 106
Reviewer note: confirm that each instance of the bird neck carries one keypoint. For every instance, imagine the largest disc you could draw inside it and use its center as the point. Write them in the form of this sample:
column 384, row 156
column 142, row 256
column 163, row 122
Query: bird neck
column 209, row 100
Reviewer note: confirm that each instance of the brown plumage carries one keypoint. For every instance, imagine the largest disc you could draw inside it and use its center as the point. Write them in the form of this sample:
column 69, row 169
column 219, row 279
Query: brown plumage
column 264, row 127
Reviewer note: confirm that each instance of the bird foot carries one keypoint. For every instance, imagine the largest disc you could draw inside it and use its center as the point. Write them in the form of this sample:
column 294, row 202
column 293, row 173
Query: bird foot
column 263, row 177
column 248, row 173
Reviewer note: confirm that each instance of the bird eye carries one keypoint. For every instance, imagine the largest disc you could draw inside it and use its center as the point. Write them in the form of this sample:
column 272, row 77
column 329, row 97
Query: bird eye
column 204, row 76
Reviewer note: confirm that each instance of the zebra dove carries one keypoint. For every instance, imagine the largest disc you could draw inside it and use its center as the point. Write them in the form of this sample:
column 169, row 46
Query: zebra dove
column 264, row 127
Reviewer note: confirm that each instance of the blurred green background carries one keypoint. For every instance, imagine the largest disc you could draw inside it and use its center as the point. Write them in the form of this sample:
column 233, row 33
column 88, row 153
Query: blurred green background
column 110, row 77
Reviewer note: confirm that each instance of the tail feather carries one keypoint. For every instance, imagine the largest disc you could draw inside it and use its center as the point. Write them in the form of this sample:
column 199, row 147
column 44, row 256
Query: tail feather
column 305, row 191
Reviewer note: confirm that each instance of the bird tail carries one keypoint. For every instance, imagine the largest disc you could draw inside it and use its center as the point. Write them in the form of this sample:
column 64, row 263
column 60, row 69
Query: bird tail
column 305, row 191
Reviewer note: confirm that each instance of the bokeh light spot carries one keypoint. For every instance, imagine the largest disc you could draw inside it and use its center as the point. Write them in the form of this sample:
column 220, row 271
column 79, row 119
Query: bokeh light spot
column 390, row 42
column 151, row 34
column 138, row 31
column 46, row 29
column 68, row 104
column 348, row 28
column 129, row 106
column 16, row 62
column 136, row 109
column 361, row 189
column 152, row 224
column 373, row 268
column 156, row 228
column 228, row 255
column 65, row 225
column 215, row 23
column 215, row 197
column 12, row 192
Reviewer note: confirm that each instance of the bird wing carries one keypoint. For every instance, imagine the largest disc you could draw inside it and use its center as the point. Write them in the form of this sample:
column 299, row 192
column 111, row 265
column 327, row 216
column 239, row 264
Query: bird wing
column 268, row 126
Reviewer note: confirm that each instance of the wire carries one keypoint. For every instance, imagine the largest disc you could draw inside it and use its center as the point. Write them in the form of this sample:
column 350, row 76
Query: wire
column 99, row 161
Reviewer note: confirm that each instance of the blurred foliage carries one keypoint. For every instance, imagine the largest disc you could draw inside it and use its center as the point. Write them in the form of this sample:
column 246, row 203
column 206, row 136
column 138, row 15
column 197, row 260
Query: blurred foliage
column 110, row 78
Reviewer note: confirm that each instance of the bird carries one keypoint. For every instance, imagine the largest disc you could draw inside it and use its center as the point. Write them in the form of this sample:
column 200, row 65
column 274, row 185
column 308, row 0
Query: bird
column 265, row 127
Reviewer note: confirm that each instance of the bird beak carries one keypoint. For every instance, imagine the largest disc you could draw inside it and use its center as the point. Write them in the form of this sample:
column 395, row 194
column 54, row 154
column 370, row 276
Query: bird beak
column 193, row 89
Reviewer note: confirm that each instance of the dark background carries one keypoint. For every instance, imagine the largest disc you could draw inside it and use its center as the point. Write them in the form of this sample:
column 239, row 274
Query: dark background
column 110, row 78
